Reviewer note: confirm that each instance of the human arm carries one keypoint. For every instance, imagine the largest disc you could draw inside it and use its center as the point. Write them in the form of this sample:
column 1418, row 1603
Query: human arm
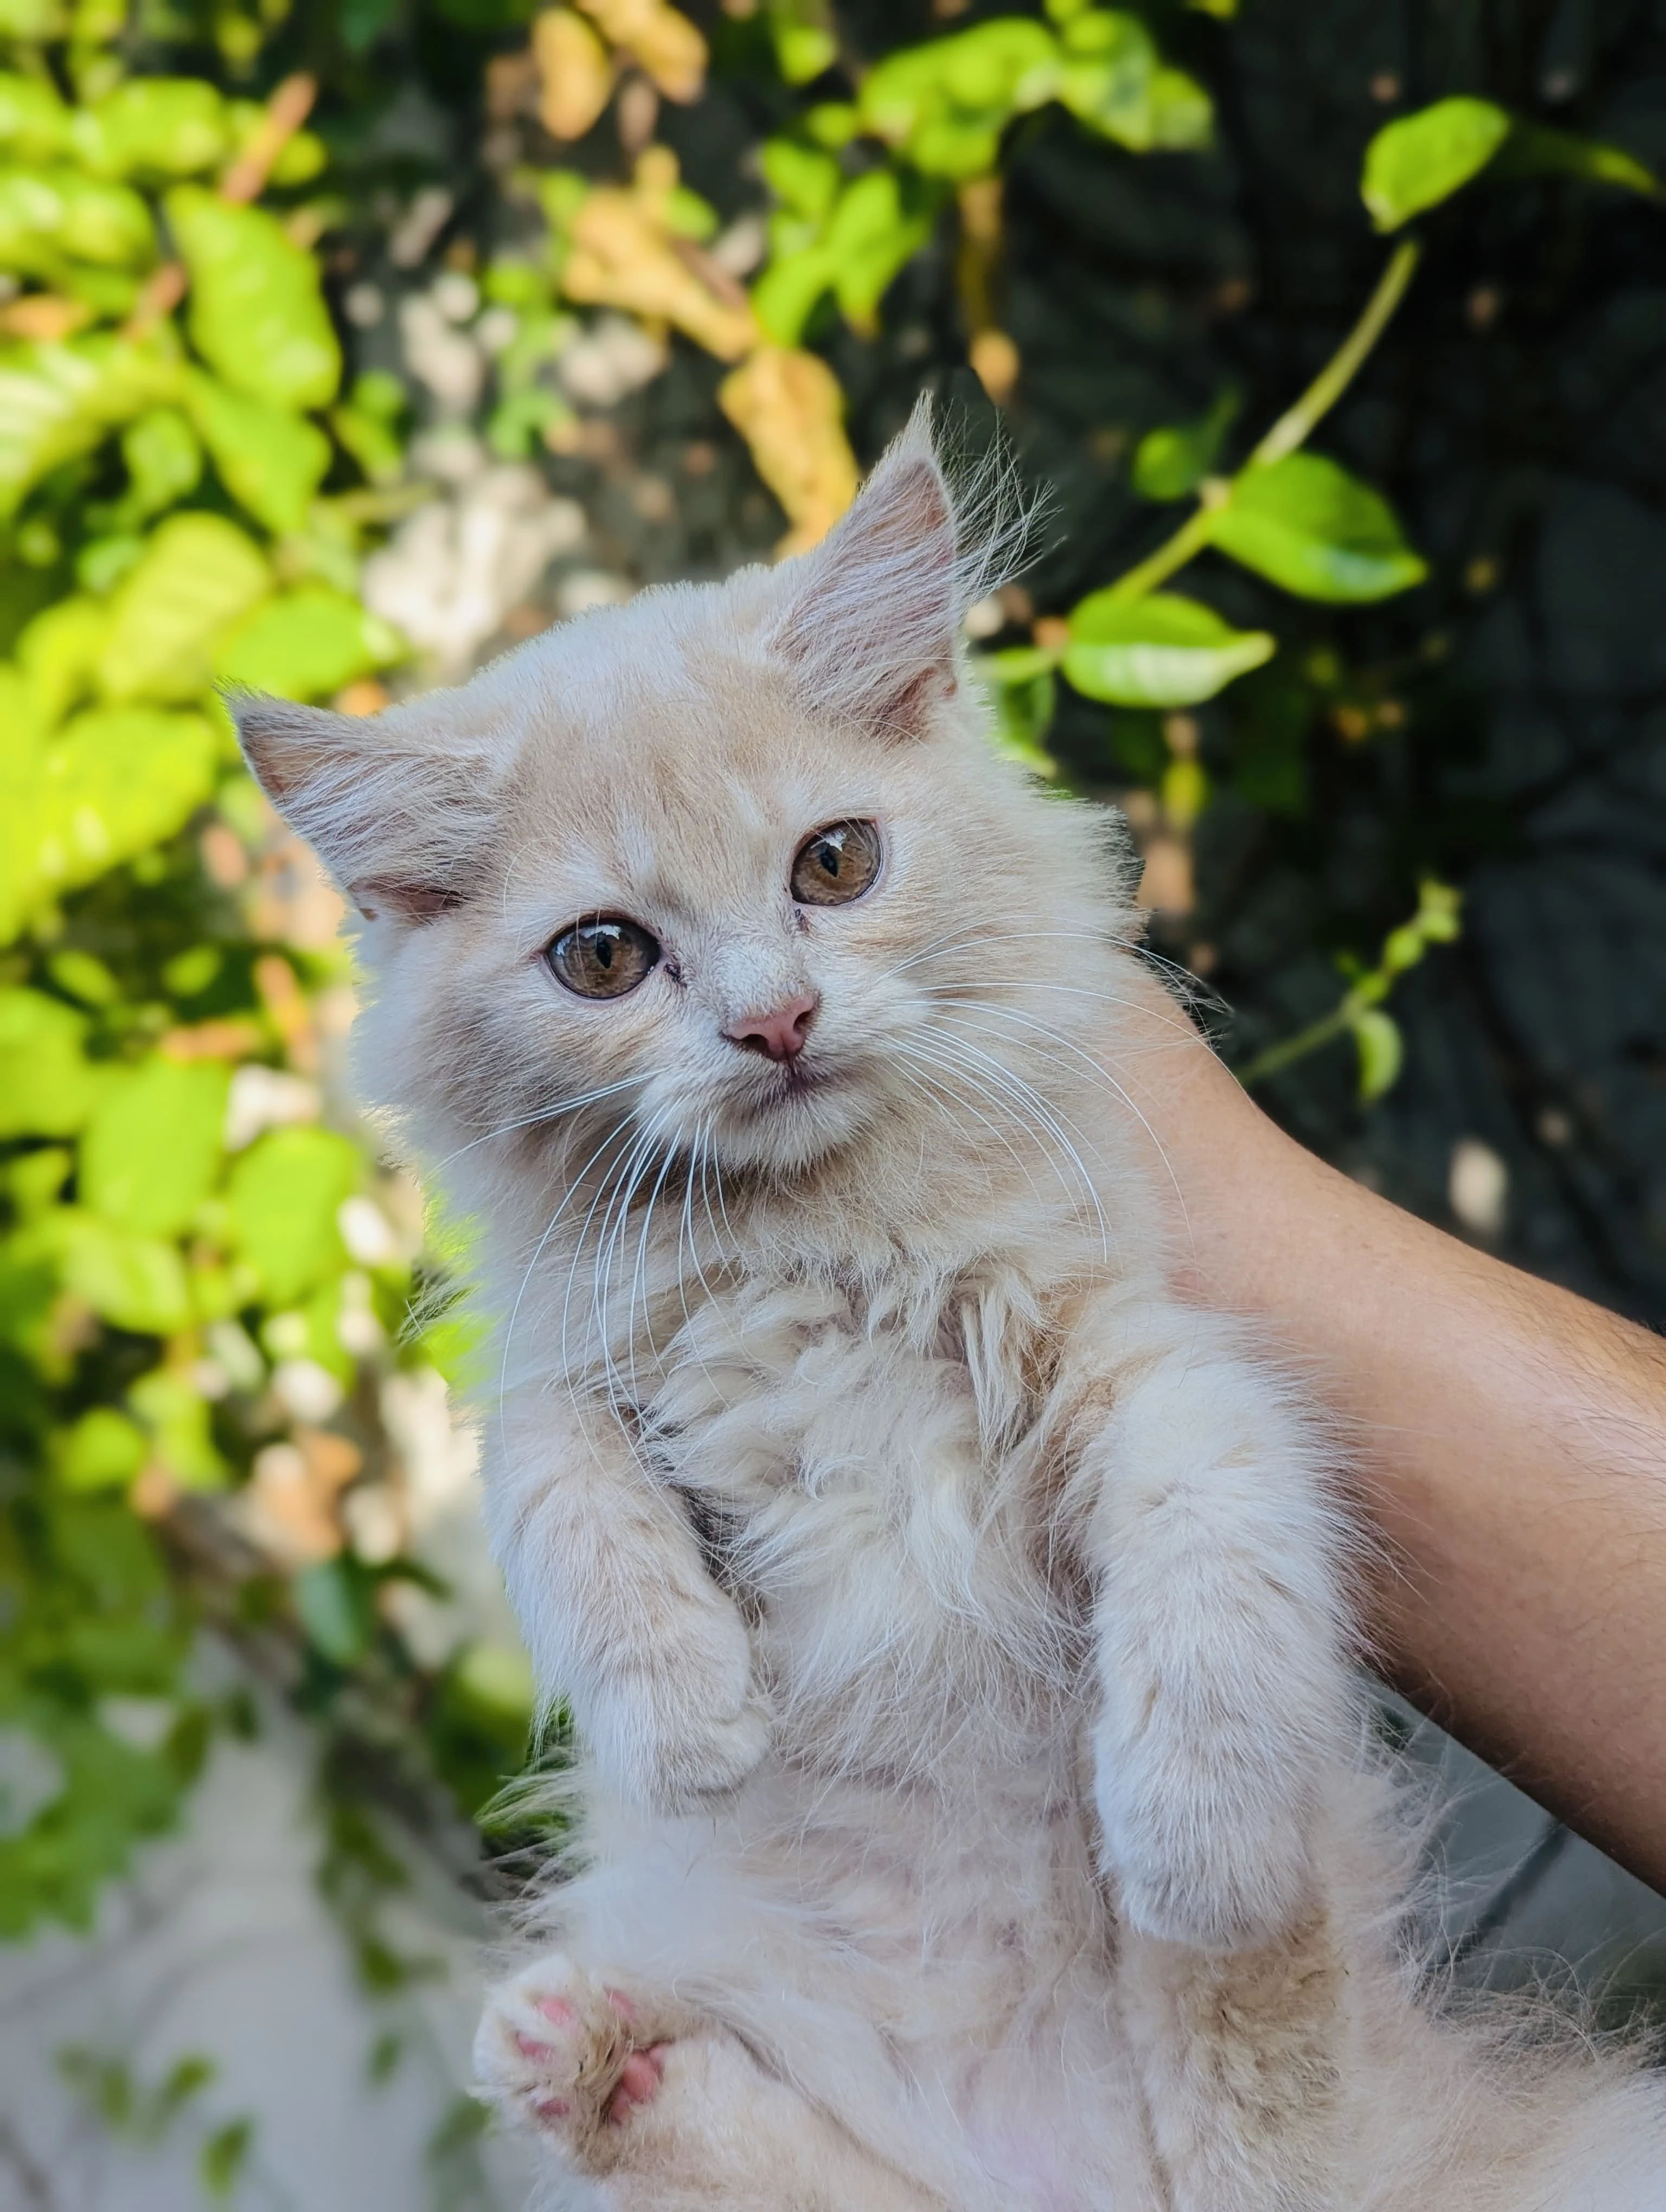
column 1510, row 1439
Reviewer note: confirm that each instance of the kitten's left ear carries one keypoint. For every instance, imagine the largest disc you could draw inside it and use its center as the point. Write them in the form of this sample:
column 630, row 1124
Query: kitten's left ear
column 873, row 618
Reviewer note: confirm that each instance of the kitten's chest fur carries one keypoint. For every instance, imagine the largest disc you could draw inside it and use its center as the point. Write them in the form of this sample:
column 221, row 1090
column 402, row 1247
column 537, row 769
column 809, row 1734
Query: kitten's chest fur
column 873, row 1483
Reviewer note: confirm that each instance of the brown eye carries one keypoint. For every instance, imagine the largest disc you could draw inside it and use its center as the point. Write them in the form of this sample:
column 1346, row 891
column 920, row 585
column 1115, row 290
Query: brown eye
column 837, row 864
column 602, row 959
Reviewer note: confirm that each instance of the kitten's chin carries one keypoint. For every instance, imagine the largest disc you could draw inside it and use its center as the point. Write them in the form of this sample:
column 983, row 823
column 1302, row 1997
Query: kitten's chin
column 804, row 1118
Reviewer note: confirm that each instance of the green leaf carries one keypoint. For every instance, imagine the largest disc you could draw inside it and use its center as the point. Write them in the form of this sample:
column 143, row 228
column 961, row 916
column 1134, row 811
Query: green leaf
column 1170, row 462
column 163, row 460
column 284, row 1195
column 335, row 1611
column 137, row 1282
column 306, row 644
column 1163, row 651
column 802, row 178
column 58, row 652
column 1019, row 687
column 1381, row 1049
column 152, row 1148
column 34, row 124
column 224, row 2155
column 47, row 1085
column 175, row 1411
column 199, row 573
column 114, row 783
column 1305, row 524
column 163, row 126
column 47, row 217
column 270, row 460
column 59, row 401
column 103, row 1451
column 1417, row 160
column 1535, row 151
column 257, row 313
column 869, row 239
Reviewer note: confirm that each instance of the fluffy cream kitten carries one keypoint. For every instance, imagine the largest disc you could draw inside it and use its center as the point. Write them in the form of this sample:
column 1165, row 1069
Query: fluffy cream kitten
column 976, row 1810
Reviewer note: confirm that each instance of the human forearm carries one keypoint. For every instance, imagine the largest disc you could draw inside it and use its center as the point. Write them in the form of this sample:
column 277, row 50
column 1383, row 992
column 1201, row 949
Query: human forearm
column 1510, row 1440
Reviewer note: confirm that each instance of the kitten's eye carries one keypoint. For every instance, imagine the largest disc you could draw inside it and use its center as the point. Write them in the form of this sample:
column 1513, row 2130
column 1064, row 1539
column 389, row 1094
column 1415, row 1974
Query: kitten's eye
column 837, row 864
column 602, row 959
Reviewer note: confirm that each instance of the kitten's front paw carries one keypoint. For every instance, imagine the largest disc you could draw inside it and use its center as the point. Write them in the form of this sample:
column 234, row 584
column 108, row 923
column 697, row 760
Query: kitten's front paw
column 1218, row 1862
column 686, row 1723
column 561, row 2051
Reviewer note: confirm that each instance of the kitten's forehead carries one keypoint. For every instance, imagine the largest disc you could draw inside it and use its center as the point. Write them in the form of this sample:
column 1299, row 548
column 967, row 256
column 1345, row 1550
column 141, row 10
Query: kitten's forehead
column 662, row 740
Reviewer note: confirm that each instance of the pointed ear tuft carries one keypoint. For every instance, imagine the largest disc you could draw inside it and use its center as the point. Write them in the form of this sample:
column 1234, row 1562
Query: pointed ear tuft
column 398, row 816
column 873, row 621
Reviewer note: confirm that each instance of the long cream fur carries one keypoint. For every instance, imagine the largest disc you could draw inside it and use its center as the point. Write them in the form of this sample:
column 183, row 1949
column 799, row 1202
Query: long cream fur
column 975, row 1810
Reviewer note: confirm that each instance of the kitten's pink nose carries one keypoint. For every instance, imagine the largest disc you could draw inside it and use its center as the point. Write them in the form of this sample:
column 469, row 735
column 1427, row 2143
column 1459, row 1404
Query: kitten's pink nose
column 779, row 1034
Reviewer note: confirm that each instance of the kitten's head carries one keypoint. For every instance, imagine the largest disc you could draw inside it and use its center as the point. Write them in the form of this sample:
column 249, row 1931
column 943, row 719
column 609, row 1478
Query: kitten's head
column 715, row 862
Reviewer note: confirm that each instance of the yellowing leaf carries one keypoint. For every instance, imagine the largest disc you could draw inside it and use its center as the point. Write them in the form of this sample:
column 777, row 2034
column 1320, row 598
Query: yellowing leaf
column 1163, row 651
column 663, row 40
column 1417, row 160
column 1307, row 525
column 256, row 314
column 575, row 78
column 151, row 1150
column 271, row 459
column 790, row 409
column 306, row 644
column 624, row 252
column 198, row 576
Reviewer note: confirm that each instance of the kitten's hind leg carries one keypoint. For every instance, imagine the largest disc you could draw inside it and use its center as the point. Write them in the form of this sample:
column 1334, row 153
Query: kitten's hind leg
column 1242, row 2058
column 665, row 2111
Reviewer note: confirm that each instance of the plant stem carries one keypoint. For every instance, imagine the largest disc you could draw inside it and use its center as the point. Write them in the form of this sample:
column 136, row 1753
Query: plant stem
column 1335, row 1023
column 1291, row 429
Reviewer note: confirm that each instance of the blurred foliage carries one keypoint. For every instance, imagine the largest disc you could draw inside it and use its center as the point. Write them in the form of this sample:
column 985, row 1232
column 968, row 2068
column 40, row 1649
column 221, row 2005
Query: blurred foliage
column 1113, row 225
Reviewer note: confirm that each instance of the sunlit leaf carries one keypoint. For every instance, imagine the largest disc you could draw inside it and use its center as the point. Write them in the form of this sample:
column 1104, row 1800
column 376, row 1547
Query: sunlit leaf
column 257, row 313
column 34, row 123
column 271, row 459
column 869, row 240
column 114, row 781
column 199, row 573
column 48, row 1087
column 150, row 1153
column 1163, row 651
column 59, row 400
column 161, row 126
column 102, row 1451
column 1417, row 160
column 1305, row 524
column 49, row 215
column 137, row 1282
column 283, row 1196
column 307, row 643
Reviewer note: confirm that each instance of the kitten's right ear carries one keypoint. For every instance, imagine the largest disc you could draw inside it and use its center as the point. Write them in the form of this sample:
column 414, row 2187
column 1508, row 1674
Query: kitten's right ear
column 399, row 813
